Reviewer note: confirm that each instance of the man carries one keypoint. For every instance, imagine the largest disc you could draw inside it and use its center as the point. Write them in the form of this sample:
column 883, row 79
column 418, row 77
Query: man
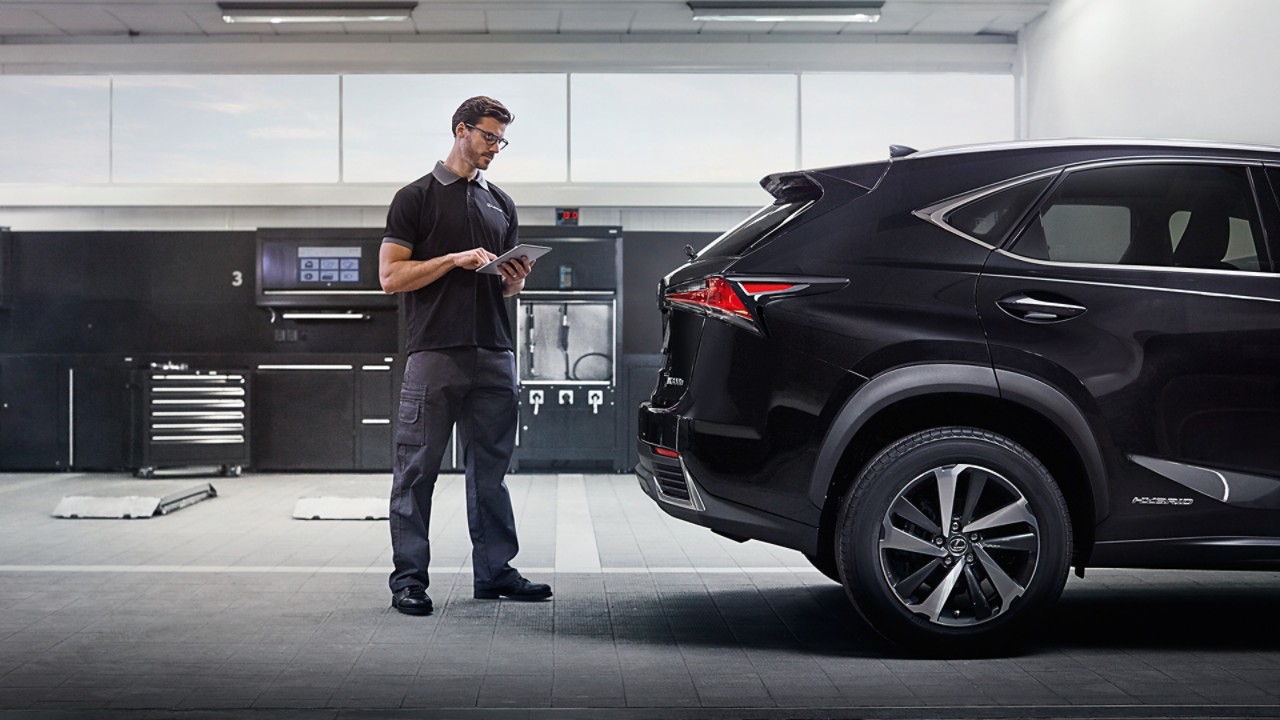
column 460, row 367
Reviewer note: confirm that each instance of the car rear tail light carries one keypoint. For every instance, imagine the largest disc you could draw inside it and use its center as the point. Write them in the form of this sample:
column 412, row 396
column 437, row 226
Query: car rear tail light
column 765, row 288
column 715, row 296
column 735, row 301
column 665, row 452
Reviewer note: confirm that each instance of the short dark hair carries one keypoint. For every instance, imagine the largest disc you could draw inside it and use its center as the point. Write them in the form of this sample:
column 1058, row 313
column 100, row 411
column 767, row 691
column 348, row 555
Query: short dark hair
column 480, row 106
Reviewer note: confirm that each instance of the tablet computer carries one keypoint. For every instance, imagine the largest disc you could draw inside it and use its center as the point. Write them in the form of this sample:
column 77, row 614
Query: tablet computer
column 533, row 252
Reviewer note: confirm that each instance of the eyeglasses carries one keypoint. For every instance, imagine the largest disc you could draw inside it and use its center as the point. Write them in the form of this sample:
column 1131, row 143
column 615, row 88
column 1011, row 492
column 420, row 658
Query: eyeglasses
column 490, row 138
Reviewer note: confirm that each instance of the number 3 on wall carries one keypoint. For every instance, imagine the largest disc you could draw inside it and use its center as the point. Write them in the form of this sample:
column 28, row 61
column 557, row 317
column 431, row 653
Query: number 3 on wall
column 237, row 278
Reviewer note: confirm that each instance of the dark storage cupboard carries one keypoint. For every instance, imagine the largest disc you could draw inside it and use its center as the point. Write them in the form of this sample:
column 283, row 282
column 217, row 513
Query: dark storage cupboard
column 63, row 412
column 34, row 419
column 304, row 421
column 326, row 416
column 375, row 393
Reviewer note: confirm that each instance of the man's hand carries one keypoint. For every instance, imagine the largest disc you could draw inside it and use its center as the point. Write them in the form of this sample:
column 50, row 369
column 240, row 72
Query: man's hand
column 515, row 270
column 472, row 259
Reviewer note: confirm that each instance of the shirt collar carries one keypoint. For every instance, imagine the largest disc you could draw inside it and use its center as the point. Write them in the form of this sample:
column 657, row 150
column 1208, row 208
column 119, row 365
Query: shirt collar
column 445, row 176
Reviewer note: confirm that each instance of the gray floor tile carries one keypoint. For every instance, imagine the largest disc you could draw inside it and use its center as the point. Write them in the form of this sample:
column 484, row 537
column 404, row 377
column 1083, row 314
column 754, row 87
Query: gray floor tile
column 443, row 692
column 517, row 691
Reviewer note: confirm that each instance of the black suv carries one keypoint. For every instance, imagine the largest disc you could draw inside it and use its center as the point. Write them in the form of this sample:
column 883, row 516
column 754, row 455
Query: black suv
column 950, row 376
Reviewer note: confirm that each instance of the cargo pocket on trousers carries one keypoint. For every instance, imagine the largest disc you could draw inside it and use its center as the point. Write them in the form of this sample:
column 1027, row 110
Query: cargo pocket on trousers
column 411, row 425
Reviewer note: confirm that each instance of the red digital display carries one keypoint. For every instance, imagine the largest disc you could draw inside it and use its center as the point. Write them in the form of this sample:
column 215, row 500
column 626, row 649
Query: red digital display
column 566, row 216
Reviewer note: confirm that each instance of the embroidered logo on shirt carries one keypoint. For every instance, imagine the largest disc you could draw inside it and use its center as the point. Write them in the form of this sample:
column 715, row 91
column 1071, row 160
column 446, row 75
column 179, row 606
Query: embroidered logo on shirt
column 495, row 207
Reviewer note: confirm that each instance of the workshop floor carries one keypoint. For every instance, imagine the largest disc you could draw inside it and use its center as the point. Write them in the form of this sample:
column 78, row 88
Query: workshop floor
column 230, row 608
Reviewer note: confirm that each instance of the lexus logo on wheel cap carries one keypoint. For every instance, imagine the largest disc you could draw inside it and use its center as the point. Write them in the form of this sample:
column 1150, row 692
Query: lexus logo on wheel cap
column 958, row 545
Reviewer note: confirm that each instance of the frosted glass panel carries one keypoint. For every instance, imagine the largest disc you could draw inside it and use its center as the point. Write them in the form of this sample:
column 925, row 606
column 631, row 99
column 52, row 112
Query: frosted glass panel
column 856, row 117
column 682, row 128
column 395, row 127
column 55, row 129
column 226, row 128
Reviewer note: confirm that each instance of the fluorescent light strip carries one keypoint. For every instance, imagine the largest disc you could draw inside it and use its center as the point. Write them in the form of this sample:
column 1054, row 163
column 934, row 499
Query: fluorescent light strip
column 723, row 16
column 844, row 11
column 316, row 12
column 277, row 19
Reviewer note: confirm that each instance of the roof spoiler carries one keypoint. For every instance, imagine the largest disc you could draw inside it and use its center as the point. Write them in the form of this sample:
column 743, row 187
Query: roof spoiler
column 792, row 186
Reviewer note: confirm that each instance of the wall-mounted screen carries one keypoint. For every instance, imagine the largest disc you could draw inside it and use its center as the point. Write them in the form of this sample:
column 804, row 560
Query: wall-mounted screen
column 320, row 268
column 337, row 266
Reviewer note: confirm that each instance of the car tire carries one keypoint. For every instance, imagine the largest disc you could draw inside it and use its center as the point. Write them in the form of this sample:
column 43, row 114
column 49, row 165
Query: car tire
column 958, row 586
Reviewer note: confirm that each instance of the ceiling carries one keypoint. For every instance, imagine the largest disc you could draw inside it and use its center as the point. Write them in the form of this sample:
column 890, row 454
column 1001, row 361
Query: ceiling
column 73, row 21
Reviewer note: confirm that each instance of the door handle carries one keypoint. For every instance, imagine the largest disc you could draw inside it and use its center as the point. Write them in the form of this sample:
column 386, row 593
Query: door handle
column 1039, row 309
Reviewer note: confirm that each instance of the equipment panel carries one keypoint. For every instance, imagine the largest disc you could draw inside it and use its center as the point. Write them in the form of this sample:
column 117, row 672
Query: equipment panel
column 318, row 268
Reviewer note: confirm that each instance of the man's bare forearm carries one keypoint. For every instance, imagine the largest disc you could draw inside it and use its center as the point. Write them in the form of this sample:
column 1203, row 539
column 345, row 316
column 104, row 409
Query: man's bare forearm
column 402, row 274
column 410, row 275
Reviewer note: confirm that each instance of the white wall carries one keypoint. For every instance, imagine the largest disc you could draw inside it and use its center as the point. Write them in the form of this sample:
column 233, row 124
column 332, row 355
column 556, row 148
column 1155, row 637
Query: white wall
column 1194, row 69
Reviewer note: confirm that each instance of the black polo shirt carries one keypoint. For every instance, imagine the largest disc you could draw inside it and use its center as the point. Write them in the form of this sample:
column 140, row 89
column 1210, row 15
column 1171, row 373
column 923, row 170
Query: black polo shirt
column 442, row 213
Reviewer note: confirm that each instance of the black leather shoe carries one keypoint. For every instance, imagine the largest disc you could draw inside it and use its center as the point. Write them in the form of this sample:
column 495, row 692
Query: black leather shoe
column 412, row 601
column 521, row 590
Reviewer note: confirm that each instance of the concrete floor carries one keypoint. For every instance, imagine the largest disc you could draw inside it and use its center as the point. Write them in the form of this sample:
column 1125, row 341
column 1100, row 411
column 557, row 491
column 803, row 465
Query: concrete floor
column 231, row 608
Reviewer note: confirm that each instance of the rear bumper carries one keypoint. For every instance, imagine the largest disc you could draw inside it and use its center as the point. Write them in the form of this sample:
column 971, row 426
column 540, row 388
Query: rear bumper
column 670, row 483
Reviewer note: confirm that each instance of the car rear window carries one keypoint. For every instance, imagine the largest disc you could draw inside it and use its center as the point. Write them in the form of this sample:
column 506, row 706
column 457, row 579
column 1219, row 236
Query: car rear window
column 761, row 224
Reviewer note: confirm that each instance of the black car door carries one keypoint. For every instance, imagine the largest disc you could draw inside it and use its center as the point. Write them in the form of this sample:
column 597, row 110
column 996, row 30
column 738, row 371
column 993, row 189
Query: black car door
column 1145, row 292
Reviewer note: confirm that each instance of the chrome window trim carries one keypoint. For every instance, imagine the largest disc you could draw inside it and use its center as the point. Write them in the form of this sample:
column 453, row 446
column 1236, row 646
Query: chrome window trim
column 1155, row 268
column 1096, row 142
column 1165, row 160
column 936, row 213
column 1130, row 286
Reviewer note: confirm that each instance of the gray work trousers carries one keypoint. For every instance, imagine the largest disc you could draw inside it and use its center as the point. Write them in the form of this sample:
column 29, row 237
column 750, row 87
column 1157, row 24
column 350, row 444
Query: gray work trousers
column 476, row 389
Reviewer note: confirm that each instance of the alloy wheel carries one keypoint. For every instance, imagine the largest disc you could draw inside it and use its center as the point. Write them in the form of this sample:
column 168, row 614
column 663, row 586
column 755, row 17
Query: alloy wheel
column 959, row 545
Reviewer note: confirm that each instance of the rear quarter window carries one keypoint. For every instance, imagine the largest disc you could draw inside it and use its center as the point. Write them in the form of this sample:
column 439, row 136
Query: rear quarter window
column 992, row 216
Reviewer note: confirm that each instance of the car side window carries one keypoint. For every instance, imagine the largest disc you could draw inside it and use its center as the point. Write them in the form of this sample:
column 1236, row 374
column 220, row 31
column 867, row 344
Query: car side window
column 1160, row 215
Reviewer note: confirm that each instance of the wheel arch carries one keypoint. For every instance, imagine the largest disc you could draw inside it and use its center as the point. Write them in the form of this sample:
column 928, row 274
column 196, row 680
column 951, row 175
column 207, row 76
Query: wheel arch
column 904, row 400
